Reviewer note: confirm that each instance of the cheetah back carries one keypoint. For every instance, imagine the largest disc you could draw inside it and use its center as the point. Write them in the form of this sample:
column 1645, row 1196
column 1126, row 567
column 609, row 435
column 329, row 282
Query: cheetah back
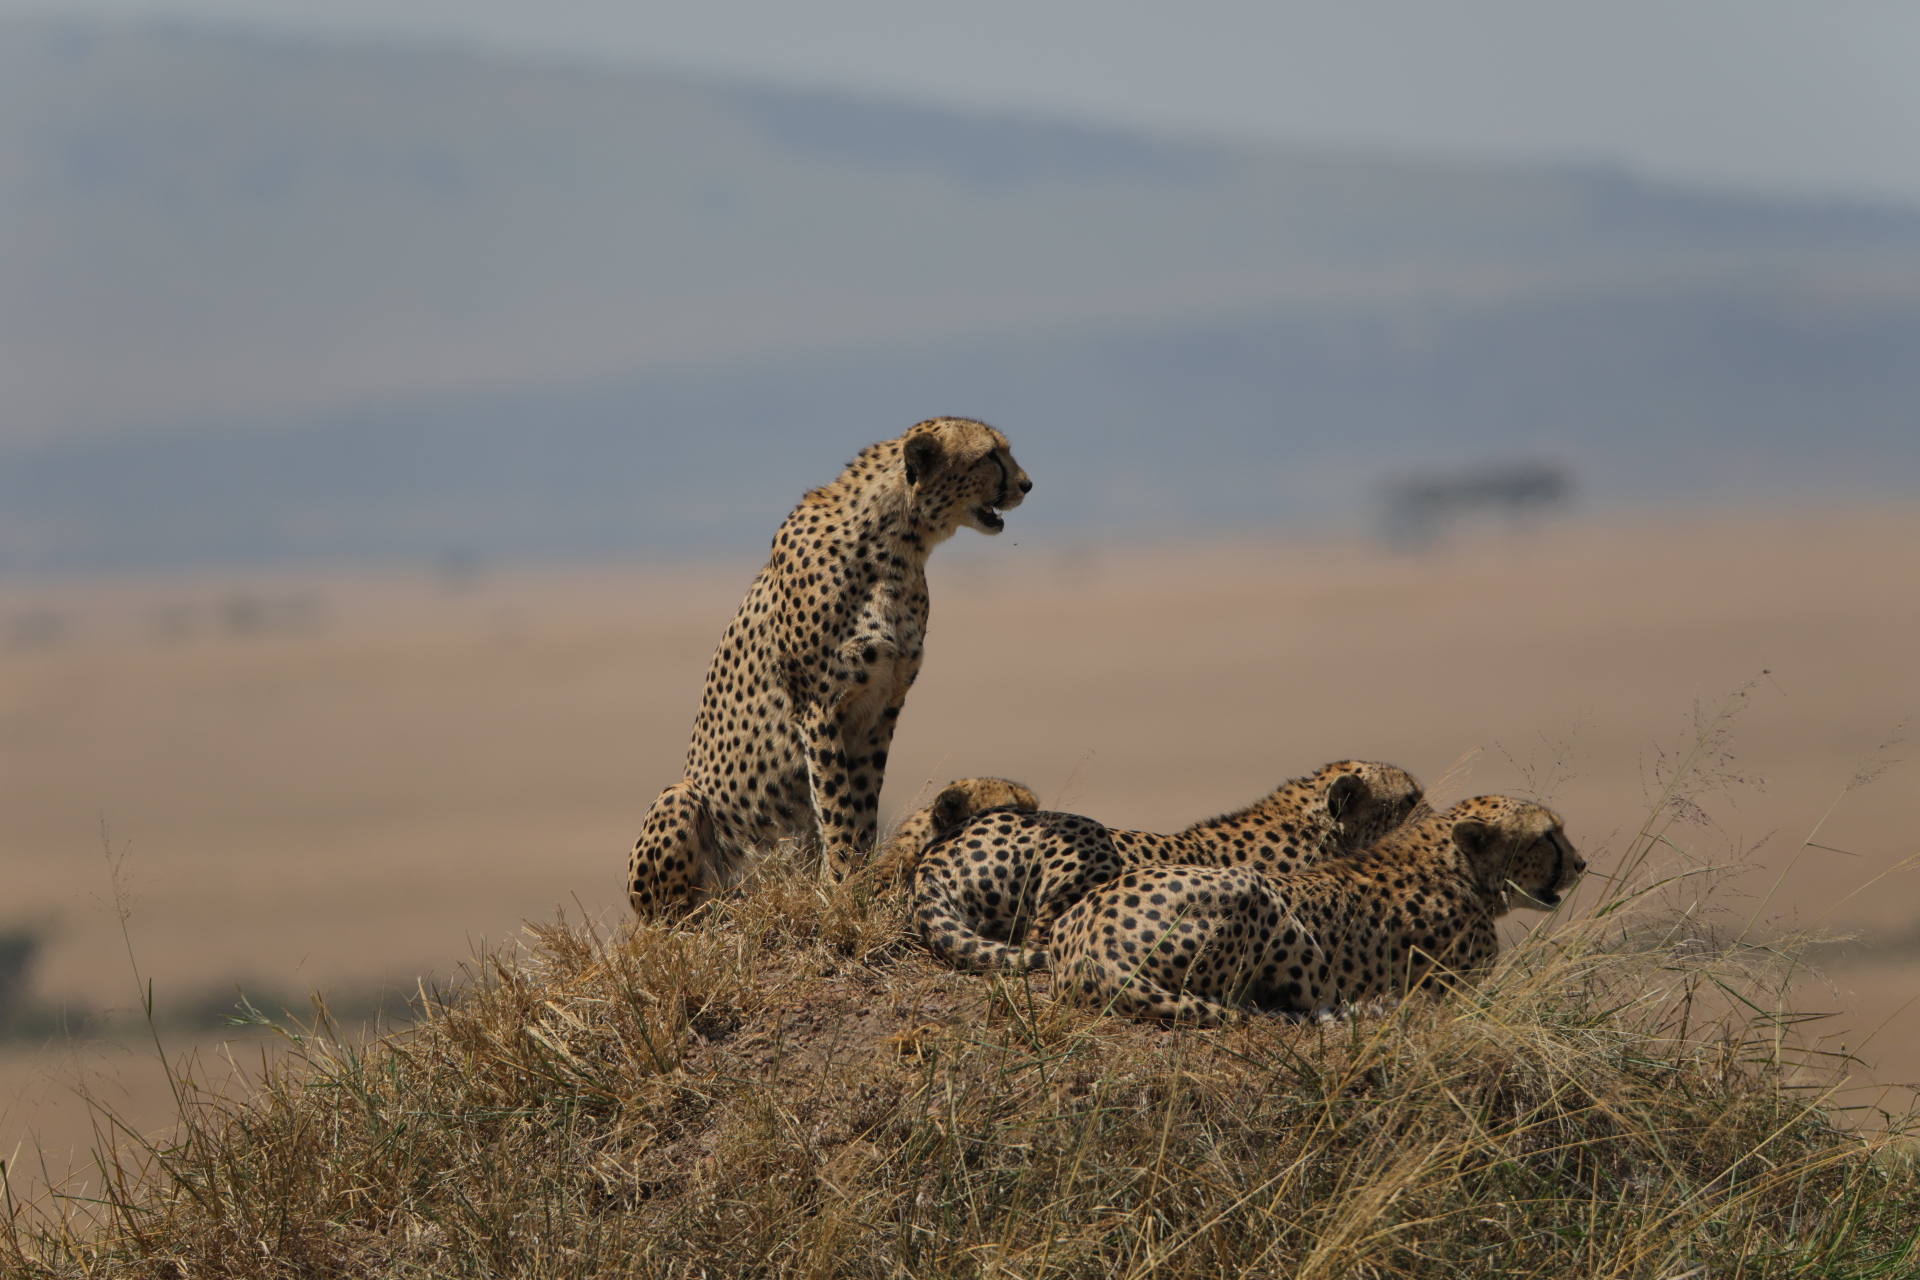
column 1415, row 912
column 1008, row 881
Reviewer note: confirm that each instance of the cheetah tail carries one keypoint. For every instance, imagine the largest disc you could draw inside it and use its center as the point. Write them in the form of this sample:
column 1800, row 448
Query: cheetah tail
column 950, row 937
column 970, row 953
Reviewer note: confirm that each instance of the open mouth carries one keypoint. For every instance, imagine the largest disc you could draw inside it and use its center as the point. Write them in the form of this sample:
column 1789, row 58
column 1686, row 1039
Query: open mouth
column 989, row 518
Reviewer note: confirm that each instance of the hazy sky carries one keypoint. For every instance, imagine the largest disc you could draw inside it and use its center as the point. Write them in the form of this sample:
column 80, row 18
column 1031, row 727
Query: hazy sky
column 1807, row 96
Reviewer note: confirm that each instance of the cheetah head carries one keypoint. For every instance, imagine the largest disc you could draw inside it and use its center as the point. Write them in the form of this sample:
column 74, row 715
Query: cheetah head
column 1367, row 799
column 961, row 472
column 968, row 797
column 1516, row 845
column 958, row 803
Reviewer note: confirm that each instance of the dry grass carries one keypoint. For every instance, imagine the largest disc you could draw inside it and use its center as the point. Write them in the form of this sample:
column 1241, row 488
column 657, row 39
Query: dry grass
column 788, row 1087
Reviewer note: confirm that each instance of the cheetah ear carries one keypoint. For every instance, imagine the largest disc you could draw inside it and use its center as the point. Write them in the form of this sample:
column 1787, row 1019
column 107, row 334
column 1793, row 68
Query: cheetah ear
column 1479, row 841
column 1474, row 838
column 923, row 457
column 950, row 809
column 1346, row 792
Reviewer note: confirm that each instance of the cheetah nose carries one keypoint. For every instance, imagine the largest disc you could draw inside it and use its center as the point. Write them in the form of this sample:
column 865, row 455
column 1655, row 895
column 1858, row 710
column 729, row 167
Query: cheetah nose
column 1026, row 485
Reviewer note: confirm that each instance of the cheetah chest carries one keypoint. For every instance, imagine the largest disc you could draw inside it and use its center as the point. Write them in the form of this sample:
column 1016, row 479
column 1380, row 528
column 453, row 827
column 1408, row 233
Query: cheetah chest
column 880, row 657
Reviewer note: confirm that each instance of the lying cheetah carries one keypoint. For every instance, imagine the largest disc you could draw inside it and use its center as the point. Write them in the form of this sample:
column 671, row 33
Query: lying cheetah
column 1005, row 875
column 1415, row 910
column 803, row 695
column 958, row 801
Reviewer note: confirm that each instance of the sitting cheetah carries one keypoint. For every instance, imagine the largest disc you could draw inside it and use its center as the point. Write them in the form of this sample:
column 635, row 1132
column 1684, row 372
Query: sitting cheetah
column 958, row 801
column 803, row 695
column 1415, row 910
column 1004, row 875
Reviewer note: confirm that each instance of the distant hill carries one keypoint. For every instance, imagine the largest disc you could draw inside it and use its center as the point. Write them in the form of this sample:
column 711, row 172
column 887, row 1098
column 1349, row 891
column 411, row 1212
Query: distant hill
column 263, row 300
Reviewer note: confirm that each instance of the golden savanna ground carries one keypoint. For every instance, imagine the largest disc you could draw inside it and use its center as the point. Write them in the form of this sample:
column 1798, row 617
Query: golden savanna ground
column 344, row 782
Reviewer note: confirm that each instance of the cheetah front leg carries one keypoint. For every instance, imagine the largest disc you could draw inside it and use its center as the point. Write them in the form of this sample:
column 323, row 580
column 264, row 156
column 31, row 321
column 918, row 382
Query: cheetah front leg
column 844, row 772
column 865, row 779
column 848, row 736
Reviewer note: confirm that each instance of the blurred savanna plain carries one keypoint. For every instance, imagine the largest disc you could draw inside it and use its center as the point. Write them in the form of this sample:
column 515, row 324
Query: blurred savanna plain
column 410, row 763
column 391, row 433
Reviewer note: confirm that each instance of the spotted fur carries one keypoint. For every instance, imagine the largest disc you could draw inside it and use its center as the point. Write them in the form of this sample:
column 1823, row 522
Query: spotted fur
column 803, row 695
column 958, row 801
column 1416, row 910
column 985, row 888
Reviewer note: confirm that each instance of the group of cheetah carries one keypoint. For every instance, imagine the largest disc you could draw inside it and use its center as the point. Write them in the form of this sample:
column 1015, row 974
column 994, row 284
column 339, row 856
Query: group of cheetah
column 1336, row 888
